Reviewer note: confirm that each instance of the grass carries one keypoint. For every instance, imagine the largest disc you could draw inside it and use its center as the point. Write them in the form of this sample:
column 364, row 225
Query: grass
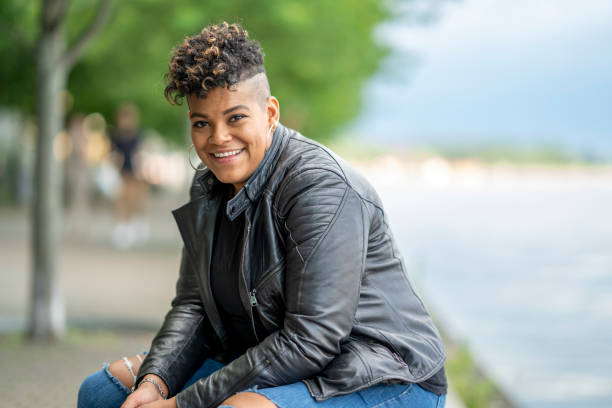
column 74, row 337
column 475, row 388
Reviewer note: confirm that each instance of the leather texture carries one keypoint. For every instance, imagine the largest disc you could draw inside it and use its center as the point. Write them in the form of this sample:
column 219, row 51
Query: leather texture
column 320, row 270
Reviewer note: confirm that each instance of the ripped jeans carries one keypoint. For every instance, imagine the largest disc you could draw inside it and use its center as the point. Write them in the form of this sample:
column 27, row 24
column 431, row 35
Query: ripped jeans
column 103, row 390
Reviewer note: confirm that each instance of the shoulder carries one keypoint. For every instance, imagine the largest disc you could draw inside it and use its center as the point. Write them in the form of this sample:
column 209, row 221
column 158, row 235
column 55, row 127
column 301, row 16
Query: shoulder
column 306, row 166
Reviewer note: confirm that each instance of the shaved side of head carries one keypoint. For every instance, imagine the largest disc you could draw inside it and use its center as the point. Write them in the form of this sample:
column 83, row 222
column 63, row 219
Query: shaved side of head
column 259, row 87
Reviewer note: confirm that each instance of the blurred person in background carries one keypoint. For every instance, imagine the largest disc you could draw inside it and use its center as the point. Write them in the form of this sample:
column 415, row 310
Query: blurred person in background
column 130, row 226
column 291, row 290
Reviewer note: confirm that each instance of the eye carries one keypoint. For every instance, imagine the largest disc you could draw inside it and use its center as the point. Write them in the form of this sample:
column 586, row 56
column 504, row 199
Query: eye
column 237, row 117
column 199, row 124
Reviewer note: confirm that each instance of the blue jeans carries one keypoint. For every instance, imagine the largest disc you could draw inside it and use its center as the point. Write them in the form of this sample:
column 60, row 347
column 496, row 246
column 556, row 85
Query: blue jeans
column 103, row 390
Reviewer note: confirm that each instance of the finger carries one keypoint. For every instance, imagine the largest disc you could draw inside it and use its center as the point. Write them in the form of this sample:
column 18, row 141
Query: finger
column 132, row 401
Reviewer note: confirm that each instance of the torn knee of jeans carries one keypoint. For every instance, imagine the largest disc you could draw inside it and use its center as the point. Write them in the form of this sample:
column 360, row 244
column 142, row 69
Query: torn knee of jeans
column 115, row 380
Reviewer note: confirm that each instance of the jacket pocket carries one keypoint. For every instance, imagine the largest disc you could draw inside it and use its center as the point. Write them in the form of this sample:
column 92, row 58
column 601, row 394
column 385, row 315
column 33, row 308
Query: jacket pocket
column 270, row 274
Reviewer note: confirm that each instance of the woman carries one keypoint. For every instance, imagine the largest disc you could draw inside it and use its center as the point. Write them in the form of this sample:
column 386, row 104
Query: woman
column 291, row 291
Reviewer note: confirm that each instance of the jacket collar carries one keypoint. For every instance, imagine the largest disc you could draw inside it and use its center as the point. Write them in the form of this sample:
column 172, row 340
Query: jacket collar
column 255, row 184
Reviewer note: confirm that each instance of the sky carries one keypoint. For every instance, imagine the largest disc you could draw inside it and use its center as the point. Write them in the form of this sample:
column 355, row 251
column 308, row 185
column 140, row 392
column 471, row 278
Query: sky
column 520, row 72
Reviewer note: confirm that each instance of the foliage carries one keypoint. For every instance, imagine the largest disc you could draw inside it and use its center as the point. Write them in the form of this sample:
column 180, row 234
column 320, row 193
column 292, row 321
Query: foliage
column 318, row 55
column 17, row 38
column 475, row 390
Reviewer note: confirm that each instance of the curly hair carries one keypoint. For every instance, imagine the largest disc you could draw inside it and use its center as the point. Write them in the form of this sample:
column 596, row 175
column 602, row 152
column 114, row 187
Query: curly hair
column 219, row 56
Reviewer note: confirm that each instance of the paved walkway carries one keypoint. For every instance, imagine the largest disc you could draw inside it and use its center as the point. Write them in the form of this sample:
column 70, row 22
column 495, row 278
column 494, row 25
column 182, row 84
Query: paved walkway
column 125, row 291
column 49, row 376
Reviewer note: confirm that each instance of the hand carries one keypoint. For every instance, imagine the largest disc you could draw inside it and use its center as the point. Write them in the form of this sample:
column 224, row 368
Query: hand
column 169, row 403
column 146, row 394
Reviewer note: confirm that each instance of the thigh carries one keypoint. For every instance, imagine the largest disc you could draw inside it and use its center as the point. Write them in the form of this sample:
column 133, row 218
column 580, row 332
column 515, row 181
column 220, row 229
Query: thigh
column 296, row 395
column 411, row 396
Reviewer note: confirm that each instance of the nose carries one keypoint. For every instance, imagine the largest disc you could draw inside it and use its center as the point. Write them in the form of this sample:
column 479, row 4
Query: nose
column 220, row 135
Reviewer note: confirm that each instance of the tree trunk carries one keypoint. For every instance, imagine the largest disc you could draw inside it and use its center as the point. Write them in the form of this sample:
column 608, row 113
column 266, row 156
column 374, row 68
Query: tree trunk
column 53, row 64
column 47, row 314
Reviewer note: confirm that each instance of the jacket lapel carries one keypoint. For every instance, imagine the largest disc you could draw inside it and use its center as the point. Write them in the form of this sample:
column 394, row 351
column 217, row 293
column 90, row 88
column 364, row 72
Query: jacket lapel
column 196, row 224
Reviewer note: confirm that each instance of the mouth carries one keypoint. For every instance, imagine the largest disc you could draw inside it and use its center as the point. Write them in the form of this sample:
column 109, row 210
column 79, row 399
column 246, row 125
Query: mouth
column 227, row 157
column 226, row 154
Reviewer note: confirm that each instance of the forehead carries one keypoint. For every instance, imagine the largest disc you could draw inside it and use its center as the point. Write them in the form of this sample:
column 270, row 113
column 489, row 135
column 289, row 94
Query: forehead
column 220, row 99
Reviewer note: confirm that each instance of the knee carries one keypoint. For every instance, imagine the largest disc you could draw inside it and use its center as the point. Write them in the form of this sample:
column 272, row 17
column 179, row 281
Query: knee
column 248, row 400
column 101, row 390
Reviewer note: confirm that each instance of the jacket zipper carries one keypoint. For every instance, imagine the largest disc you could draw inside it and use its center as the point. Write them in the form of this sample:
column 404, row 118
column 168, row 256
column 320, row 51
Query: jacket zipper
column 252, row 298
column 393, row 352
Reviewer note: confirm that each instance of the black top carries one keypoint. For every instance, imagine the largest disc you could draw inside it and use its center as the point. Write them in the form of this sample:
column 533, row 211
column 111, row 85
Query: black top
column 226, row 277
column 437, row 383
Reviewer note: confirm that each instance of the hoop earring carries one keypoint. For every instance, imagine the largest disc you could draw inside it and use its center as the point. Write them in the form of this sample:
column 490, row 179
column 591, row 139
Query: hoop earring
column 189, row 157
column 274, row 125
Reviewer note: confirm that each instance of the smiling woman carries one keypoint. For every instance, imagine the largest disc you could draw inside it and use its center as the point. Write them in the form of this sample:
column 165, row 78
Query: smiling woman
column 291, row 291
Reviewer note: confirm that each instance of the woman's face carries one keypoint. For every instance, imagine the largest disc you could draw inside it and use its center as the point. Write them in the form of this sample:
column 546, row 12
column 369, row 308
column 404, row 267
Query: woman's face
column 230, row 129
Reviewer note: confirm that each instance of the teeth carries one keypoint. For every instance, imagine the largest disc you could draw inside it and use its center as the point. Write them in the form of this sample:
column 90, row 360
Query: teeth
column 227, row 153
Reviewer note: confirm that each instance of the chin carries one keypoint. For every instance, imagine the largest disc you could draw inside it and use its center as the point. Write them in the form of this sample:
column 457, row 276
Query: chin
column 227, row 179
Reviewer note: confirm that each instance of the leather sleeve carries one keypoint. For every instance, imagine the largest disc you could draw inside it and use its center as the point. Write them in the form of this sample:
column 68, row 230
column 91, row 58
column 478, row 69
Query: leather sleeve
column 324, row 226
column 181, row 344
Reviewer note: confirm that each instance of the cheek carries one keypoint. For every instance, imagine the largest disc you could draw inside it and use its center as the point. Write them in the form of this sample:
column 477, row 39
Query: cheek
column 261, row 144
column 199, row 140
column 259, row 149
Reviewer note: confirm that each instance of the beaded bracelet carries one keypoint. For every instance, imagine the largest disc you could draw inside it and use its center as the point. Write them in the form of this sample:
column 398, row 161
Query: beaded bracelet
column 152, row 381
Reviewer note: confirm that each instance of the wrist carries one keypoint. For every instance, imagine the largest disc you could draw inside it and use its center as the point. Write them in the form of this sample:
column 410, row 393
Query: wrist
column 155, row 381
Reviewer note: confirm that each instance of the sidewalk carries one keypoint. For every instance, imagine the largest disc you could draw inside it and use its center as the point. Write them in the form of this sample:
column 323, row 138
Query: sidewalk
column 102, row 285
column 49, row 376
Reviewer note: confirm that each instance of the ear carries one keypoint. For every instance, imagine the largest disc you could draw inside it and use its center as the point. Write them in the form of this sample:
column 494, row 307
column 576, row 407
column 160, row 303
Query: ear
column 273, row 111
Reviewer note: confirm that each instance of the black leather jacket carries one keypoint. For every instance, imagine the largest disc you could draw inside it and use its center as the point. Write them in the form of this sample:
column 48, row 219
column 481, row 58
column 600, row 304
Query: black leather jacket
column 320, row 270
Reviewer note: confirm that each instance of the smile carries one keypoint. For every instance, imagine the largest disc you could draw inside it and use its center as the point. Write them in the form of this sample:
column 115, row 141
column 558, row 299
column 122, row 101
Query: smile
column 225, row 154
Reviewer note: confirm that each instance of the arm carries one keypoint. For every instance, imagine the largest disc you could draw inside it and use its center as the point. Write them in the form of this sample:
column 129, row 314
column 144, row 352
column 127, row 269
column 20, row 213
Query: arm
column 324, row 228
column 182, row 343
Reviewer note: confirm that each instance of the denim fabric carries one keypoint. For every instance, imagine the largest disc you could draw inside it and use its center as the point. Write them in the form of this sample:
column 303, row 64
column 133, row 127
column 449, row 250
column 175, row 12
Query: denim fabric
column 209, row 367
column 103, row 390
column 296, row 395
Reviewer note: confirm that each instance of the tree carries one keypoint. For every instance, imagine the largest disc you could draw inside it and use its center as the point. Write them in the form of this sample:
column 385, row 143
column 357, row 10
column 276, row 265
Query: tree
column 318, row 54
column 53, row 64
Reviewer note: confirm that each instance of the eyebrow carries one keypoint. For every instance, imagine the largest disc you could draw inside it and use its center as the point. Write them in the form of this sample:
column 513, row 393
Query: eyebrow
column 225, row 112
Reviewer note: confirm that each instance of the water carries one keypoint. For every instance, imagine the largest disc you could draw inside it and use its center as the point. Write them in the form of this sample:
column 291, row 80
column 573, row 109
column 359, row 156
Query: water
column 523, row 273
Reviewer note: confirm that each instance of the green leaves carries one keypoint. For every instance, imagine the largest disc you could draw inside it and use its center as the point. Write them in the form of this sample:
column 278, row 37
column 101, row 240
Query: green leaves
column 318, row 55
